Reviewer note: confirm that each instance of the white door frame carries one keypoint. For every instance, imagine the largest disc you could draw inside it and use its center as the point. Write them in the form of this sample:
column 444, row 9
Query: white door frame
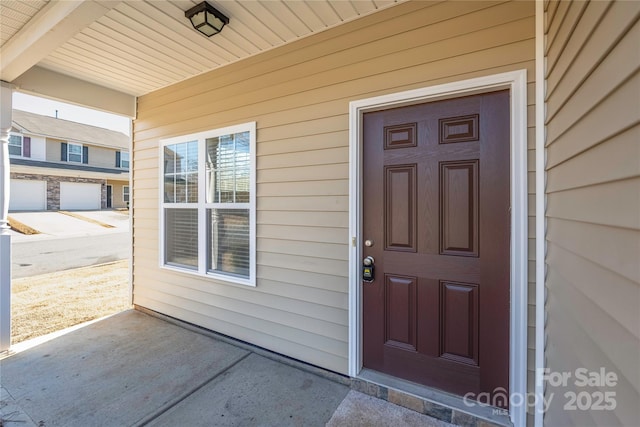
column 516, row 82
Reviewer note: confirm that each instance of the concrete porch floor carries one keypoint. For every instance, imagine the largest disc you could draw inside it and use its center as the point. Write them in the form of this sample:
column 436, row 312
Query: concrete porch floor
column 133, row 369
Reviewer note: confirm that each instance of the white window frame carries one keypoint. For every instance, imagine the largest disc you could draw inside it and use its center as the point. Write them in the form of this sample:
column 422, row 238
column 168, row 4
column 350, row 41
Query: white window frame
column 128, row 193
column 202, row 206
column 122, row 154
column 21, row 144
column 69, row 144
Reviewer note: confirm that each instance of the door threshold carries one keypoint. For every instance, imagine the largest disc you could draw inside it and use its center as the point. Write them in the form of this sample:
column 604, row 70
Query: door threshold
column 429, row 401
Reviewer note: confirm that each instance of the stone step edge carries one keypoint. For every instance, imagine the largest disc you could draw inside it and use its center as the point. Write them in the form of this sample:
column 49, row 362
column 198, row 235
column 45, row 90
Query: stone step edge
column 421, row 405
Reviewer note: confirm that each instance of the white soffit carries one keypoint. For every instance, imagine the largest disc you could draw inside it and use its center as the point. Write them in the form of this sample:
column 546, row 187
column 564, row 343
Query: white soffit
column 142, row 45
column 49, row 28
column 15, row 14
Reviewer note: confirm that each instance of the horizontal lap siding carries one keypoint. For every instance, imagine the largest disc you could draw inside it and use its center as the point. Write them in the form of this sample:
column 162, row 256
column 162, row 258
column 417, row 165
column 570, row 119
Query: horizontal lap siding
column 299, row 96
column 593, row 195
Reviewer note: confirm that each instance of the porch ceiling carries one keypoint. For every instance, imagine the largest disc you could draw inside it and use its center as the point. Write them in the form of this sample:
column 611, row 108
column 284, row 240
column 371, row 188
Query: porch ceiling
column 134, row 47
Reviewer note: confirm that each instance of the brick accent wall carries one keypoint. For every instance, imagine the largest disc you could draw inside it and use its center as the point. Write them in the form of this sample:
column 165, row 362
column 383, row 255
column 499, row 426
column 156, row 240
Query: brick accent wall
column 53, row 187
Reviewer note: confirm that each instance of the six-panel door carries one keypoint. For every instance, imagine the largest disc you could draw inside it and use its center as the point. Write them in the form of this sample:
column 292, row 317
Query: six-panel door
column 436, row 206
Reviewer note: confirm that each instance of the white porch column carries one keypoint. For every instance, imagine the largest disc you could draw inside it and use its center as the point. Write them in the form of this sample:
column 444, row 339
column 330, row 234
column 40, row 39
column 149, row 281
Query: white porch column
column 6, row 92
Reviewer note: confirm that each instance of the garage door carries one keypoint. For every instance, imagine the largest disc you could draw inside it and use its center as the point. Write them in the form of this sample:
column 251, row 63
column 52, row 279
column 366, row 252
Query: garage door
column 80, row 196
column 28, row 195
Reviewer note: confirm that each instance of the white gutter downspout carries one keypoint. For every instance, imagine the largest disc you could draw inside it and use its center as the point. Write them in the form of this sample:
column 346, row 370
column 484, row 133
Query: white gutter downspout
column 540, row 214
column 6, row 93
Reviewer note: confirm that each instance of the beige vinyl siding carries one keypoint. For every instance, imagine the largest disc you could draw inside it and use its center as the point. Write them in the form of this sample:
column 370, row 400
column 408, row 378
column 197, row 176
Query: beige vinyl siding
column 593, row 196
column 299, row 96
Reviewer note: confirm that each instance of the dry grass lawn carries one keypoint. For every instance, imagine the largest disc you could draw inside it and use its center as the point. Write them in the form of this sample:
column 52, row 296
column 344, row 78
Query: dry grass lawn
column 51, row 302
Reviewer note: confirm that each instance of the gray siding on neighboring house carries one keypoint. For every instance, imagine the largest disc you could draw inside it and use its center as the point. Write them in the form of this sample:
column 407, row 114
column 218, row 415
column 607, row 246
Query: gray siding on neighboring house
column 299, row 96
column 37, row 146
column 101, row 157
column 53, row 150
column 593, row 211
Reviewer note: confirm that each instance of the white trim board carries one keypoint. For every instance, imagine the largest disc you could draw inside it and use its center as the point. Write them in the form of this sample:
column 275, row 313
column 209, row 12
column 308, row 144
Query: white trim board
column 516, row 82
column 541, row 208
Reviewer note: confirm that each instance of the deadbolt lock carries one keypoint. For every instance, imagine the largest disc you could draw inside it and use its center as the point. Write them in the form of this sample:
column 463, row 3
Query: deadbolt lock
column 368, row 269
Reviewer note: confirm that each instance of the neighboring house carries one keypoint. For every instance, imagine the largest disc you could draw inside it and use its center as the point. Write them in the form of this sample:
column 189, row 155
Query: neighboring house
column 58, row 164
column 434, row 196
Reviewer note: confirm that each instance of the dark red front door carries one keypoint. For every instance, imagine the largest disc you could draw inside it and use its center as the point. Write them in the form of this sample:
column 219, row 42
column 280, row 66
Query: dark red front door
column 436, row 212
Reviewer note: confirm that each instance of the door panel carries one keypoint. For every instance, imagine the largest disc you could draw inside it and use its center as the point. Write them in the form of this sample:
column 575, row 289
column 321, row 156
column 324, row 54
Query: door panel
column 459, row 208
column 436, row 206
column 459, row 322
column 400, row 312
column 400, row 208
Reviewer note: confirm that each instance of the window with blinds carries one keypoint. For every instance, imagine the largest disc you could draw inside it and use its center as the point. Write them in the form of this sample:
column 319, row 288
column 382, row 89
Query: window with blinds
column 181, row 173
column 181, row 237
column 15, row 145
column 124, row 160
column 74, row 152
column 208, row 203
column 228, row 172
column 229, row 241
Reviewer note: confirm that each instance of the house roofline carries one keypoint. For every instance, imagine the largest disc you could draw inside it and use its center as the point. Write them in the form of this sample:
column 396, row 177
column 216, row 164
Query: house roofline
column 65, row 126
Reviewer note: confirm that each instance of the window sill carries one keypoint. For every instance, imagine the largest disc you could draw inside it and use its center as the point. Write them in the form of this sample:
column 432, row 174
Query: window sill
column 219, row 278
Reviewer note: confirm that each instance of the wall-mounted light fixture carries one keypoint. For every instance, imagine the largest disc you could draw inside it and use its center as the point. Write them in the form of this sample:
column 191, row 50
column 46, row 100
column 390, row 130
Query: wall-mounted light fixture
column 206, row 19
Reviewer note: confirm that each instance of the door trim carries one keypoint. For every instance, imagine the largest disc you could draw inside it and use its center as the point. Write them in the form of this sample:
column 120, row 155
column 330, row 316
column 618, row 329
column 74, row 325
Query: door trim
column 516, row 82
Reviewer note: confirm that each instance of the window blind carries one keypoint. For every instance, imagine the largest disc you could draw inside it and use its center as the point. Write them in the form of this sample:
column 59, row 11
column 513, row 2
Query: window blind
column 181, row 237
column 229, row 241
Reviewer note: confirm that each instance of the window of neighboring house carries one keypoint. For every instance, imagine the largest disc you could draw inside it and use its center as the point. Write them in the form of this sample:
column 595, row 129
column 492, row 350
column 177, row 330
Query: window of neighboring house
column 19, row 145
column 74, row 152
column 15, row 145
column 125, row 193
column 122, row 159
column 208, row 203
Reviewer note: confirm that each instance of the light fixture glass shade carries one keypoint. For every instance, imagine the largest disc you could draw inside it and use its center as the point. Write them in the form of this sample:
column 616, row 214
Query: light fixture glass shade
column 206, row 19
column 198, row 19
column 215, row 22
column 207, row 30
